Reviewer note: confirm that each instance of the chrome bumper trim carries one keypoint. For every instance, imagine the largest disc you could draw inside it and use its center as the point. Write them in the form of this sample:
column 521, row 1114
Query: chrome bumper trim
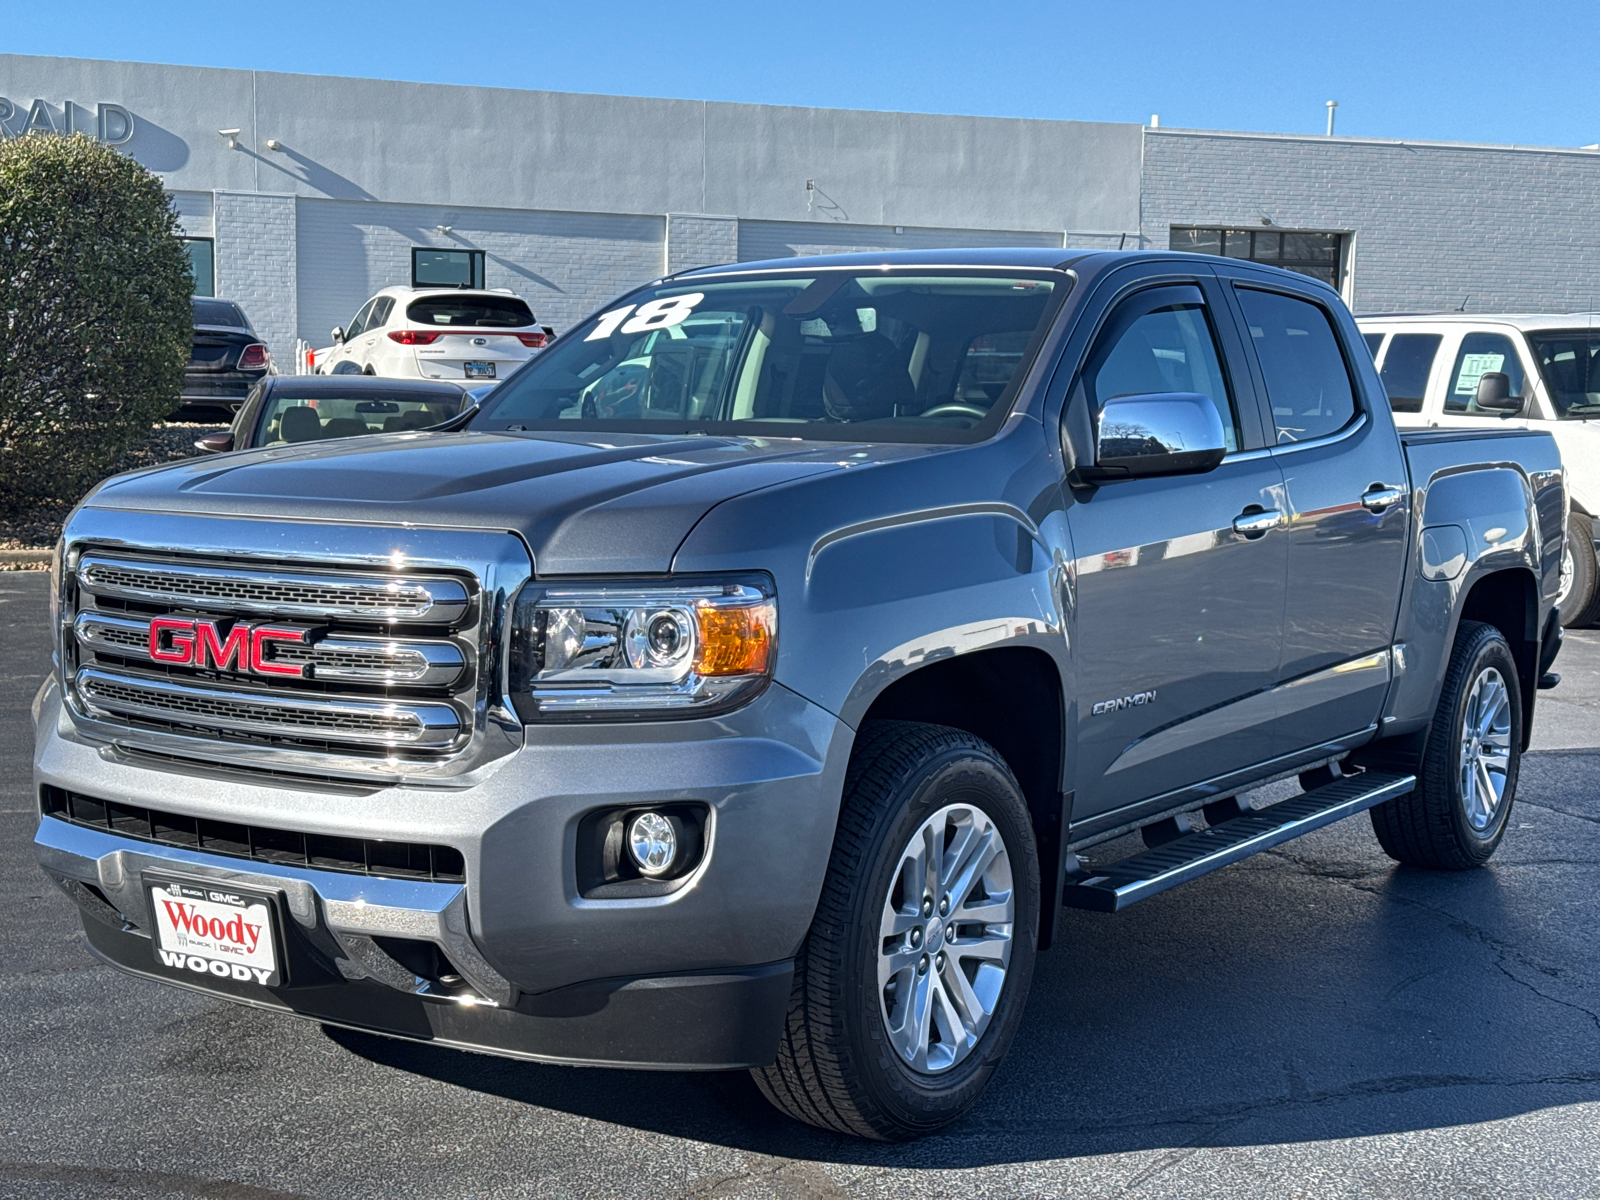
column 355, row 908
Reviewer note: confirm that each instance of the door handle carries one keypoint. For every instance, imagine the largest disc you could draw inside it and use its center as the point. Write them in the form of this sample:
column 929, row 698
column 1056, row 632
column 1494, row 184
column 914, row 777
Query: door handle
column 1257, row 522
column 1380, row 496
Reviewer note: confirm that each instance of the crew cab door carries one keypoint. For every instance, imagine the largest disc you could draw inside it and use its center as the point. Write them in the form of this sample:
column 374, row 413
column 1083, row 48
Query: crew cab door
column 1179, row 610
column 1347, row 492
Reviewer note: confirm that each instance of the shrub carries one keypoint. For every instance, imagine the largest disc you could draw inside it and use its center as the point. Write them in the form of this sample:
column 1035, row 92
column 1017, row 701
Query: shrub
column 95, row 322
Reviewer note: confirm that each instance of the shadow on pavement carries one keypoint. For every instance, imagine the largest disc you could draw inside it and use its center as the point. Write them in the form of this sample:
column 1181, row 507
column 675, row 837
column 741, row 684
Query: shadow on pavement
column 1311, row 993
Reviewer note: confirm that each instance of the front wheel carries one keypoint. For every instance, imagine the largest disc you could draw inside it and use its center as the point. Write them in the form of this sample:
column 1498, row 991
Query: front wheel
column 1457, row 814
column 912, row 980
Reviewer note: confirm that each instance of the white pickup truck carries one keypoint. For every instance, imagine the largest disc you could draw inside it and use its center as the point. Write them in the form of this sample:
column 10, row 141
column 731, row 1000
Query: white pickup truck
column 1434, row 367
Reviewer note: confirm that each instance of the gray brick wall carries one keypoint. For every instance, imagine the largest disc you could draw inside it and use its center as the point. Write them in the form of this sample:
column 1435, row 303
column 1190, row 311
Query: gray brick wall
column 696, row 240
column 1499, row 227
column 256, row 264
column 564, row 264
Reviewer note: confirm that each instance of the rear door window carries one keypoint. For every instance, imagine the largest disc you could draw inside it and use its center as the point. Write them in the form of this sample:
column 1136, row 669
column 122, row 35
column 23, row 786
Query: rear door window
column 1406, row 368
column 359, row 321
column 1481, row 353
column 1308, row 383
column 483, row 312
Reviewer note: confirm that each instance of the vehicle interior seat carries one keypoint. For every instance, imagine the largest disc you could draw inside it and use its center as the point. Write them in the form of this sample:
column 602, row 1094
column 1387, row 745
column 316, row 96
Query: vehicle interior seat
column 866, row 381
column 300, row 424
column 339, row 427
column 417, row 418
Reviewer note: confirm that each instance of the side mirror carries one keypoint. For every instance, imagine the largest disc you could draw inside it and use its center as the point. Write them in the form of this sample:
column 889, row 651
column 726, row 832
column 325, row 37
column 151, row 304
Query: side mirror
column 338, row 334
column 1494, row 394
column 215, row 443
column 548, row 332
column 1158, row 433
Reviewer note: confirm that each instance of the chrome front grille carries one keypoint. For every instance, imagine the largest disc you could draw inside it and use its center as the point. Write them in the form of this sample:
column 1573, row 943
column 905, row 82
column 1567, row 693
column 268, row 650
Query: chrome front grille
column 275, row 593
column 399, row 667
column 376, row 660
column 365, row 723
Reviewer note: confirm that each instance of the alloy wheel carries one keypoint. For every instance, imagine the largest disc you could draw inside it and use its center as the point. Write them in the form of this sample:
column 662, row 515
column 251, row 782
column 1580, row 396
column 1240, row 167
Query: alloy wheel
column 1485, row 754
column 945, row 938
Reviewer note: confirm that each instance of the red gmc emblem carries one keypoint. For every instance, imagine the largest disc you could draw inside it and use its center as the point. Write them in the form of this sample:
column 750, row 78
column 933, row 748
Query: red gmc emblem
column 201, row 643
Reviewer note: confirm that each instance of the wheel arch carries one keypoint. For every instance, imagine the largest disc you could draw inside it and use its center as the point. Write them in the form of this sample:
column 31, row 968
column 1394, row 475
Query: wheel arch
column 1012, row 698
column 1509, row 600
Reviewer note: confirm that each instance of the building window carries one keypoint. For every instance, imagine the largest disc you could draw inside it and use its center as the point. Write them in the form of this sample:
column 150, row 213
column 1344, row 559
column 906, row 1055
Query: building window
column 1320, row 255
column 202, row 265
column 446, row 268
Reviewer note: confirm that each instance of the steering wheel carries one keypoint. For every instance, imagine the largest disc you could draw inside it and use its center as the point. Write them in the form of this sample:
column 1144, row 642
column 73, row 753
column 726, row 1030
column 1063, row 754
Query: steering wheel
column 956, row 409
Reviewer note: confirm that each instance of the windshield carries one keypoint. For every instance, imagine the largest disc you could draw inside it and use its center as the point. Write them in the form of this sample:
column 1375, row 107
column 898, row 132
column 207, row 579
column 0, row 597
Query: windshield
column 287, row 418
column 495, row 312
column 837, row 354
column 1569, row 360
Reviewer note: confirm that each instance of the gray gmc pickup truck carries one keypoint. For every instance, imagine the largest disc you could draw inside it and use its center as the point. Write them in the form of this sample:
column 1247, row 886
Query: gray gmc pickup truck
column 751, row 678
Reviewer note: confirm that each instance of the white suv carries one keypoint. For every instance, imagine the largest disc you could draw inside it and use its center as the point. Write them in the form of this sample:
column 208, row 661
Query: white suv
column 1457, row 370
column 466, row 336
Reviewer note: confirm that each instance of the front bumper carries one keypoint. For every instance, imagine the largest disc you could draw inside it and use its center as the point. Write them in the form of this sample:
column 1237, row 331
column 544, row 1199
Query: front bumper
column 698, row 978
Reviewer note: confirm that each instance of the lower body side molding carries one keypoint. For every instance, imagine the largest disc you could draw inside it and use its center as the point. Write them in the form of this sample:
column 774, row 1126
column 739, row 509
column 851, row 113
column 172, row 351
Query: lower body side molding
column 1120, row 884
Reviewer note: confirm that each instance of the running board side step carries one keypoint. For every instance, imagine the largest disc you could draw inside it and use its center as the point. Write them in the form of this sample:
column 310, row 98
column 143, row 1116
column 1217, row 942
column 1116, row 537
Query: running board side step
column 1120, row 884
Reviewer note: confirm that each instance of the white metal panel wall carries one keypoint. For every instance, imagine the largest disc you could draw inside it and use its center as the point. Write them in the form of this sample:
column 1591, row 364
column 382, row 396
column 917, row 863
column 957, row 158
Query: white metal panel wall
column 565, row 265
column 784, row 239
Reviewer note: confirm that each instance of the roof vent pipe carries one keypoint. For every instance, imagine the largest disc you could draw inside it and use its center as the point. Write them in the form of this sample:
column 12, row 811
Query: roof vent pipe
column 1155, row 120
column 1332, row 104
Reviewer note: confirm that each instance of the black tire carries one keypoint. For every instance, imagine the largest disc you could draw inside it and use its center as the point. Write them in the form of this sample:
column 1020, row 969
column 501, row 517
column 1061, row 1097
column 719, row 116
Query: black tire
column 1431, row 827
column 837, row 1067
column 1581, row 608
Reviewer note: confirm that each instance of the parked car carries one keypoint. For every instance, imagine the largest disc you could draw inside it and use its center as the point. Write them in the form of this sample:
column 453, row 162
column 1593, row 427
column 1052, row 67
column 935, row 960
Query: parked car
column 305, row 408
column 226, row 359
column 1465, row 371
column 768, row 718
column 435, row 333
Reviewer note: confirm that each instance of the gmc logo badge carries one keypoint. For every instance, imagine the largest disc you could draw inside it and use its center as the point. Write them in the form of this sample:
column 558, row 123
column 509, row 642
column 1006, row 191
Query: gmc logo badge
column 191, row 643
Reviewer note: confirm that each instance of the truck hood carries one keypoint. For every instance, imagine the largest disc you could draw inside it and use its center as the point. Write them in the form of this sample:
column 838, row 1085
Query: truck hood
column 584, row 503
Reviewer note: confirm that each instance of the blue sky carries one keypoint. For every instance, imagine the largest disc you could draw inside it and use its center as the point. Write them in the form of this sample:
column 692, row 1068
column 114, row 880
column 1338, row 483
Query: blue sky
column 1469, row 70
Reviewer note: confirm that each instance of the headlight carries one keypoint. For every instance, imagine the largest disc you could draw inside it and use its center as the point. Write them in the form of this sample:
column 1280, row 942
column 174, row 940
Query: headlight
column 640, row 651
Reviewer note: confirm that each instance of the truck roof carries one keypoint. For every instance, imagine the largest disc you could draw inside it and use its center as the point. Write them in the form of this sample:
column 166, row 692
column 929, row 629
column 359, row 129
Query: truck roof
column 1519, row 320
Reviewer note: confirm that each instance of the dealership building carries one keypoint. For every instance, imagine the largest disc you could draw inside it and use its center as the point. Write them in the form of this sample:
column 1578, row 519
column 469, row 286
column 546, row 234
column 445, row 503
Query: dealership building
column 300, row 196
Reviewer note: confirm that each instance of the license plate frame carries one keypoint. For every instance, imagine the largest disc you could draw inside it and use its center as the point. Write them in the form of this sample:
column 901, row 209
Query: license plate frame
column 237, row 911
column 477, row 370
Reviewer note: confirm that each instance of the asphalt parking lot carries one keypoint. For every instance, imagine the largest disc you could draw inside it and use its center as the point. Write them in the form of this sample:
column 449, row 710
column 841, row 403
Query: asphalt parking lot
column 1313, row 1022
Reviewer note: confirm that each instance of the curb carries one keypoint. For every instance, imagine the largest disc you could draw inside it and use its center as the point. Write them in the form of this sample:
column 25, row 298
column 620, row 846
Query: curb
column 25, row 557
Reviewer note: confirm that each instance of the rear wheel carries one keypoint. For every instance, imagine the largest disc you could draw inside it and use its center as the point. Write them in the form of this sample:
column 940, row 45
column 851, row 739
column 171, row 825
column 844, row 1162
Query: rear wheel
column 1579, row 599
column 1457, row 815
column 911, row 983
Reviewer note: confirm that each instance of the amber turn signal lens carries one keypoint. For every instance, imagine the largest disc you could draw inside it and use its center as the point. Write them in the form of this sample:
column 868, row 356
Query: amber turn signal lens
column 735, row 641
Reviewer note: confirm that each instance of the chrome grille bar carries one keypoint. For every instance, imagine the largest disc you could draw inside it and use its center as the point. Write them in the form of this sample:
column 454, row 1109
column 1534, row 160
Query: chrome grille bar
column 375, row 724
column 373, row 597
column 347, row 659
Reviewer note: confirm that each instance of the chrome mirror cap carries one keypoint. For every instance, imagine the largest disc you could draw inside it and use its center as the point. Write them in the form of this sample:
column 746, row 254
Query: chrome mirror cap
column 1156, row 433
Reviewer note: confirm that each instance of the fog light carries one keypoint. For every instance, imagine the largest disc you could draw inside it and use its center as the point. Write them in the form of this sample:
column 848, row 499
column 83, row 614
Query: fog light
column 652, row 843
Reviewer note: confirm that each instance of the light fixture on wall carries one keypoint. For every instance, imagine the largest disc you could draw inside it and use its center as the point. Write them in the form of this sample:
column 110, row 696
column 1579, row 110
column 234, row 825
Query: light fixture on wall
column 232, row 135
column 1266, row 220
column 444, row 230
column 274, row 144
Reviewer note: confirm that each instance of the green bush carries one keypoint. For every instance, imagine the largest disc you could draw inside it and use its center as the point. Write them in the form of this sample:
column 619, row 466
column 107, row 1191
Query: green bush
column 95, row 322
